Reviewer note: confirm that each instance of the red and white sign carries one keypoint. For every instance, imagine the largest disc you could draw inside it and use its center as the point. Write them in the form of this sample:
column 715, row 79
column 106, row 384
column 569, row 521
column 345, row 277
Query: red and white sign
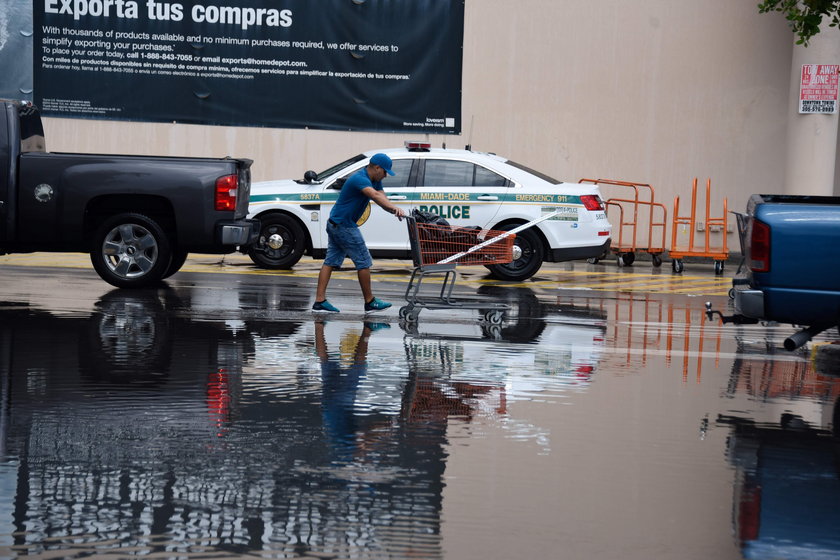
column 818, row 88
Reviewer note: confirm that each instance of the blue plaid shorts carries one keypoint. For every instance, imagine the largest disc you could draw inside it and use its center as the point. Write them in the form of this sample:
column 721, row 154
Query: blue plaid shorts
column 346, row 242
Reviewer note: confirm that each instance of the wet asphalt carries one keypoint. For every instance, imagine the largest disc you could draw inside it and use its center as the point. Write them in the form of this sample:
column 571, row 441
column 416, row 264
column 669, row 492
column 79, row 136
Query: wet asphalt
column 602, row 415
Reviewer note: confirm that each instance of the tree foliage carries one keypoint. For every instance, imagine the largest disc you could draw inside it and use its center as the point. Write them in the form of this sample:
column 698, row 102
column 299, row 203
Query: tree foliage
column 804, row 16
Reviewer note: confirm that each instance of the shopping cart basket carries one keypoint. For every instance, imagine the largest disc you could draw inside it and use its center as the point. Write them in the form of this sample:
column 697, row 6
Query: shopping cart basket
column 437, row 250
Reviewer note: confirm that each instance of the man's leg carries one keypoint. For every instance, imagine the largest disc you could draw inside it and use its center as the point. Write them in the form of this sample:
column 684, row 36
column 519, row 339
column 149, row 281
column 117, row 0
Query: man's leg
column 364, row 282
column 323, row 280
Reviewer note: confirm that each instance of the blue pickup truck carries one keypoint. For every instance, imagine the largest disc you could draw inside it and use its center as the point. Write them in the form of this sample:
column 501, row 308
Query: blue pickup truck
column 792, row 255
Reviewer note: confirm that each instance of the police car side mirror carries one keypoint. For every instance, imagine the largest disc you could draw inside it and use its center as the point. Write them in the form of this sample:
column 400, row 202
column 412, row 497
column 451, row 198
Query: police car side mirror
column 310, row 177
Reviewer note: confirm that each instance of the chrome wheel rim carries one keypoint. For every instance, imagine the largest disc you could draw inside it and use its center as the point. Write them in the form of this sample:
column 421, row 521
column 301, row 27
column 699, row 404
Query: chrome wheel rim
column 130, row 250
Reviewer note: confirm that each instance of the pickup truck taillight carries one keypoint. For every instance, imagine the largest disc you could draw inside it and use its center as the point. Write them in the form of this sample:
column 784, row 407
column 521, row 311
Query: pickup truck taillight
column 760, row 247
column 226, row 188
column 592, row 202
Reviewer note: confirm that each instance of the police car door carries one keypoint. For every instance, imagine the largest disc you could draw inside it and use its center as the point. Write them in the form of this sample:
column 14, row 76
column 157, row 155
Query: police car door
column 462, row 192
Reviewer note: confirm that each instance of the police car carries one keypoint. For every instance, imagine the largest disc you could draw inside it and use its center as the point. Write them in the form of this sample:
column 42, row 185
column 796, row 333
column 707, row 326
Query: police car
column 465, row 187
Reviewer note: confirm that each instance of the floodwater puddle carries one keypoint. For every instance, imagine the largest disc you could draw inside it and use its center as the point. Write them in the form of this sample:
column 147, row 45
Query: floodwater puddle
column 602, row 427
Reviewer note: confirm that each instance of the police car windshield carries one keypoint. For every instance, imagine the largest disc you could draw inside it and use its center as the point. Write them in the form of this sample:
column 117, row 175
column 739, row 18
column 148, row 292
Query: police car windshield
column 526, row 169
column 336, row 168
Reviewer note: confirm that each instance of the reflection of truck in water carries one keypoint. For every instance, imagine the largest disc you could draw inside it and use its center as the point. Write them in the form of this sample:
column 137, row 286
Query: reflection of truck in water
column 791, row 249
column 142, row 426
column 784, row 442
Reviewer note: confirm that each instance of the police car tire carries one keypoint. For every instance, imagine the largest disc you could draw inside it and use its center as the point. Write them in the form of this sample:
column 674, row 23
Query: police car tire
column 523, row 318
column 294, row 241
column 533, row 253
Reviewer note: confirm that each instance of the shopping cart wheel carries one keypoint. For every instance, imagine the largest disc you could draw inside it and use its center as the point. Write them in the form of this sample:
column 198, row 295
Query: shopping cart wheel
column 494, row 317
column 718, row 268
column 493, row 332
column 677, row 265
column 409, row 314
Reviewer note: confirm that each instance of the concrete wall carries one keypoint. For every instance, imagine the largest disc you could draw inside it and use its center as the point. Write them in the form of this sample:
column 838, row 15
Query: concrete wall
column 653, row 91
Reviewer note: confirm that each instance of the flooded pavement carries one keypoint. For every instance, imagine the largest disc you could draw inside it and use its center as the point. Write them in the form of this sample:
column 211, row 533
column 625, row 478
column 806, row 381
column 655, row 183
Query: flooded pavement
column 215, row 418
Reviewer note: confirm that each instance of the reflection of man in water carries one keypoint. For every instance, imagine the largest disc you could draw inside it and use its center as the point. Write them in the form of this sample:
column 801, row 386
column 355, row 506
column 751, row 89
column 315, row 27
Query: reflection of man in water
column 338, row 386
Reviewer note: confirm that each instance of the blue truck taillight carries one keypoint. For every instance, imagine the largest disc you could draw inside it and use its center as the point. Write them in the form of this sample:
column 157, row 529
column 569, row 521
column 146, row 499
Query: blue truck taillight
column 759, row 258
column 226, row 189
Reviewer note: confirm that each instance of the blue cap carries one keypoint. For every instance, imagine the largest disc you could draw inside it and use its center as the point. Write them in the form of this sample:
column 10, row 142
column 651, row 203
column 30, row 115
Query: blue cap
column 382, row 161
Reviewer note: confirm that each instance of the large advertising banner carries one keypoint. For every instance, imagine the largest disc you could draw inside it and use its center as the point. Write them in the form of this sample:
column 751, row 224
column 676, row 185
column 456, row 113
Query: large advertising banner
column 374, row 65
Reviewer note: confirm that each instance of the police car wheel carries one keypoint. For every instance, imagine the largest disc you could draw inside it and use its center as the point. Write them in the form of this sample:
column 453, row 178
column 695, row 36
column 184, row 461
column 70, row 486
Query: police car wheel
column 286, row 246
column 530, row 261
column 523, row 318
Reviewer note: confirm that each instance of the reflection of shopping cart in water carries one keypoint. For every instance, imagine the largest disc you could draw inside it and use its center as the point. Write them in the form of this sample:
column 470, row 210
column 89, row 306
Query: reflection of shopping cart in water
column 437, row 250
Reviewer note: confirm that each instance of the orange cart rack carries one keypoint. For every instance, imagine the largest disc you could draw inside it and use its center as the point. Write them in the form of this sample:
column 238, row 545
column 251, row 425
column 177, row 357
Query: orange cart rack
column 679, row 251
column 631, row 213
column 437, row 250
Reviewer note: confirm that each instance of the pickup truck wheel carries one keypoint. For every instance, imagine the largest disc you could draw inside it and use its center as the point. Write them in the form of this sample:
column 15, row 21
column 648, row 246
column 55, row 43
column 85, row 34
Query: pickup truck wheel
column 529, row 261
column 131, row 251
column 179, row 257
column 281, row 243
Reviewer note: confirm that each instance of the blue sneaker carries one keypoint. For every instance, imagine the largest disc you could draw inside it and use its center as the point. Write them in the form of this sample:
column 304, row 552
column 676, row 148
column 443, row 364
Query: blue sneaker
column 376, row 304
column 324, row 307
column 373, row 327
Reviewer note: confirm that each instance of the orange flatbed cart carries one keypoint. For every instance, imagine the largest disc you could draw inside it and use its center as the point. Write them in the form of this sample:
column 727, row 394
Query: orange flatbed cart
column 641, row 206
column 678, row 252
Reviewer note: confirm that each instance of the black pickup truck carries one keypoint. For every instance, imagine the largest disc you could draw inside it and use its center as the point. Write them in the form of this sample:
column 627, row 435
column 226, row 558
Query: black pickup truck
column 137, row 216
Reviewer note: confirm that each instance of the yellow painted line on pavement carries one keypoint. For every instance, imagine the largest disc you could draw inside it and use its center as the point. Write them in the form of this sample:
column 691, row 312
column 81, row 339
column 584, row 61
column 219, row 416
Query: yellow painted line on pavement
column 397, row 271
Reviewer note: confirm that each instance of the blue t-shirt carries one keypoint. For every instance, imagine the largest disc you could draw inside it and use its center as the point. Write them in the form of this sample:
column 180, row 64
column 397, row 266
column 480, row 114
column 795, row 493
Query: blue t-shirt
column 352, row 201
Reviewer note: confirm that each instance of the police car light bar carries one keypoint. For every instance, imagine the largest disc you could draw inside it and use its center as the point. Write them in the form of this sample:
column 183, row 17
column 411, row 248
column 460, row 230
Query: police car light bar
column 414, row 146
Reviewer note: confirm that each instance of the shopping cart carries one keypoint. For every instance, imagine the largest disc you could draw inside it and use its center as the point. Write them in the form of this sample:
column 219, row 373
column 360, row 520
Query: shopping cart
column 436, row 250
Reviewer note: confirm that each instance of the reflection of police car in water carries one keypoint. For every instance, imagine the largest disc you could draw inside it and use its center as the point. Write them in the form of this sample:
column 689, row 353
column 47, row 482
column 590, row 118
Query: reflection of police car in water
column 465, row 188
column 539, row 346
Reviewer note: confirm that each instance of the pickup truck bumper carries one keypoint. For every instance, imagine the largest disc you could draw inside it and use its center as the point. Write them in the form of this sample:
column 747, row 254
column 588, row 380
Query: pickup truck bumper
column 239, row 232
column 750, row 307
column 749, row 303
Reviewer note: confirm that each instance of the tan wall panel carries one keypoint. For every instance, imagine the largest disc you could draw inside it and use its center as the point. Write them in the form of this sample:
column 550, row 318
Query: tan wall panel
column 654, row 91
